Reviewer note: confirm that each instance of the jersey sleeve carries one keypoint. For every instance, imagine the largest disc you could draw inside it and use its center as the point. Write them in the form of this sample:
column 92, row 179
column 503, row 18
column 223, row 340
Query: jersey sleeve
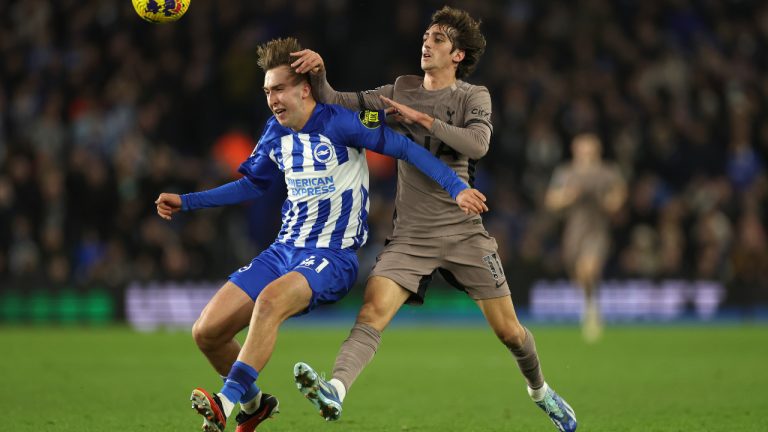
column 259, row 172
column 365, row 129
column 363, row 100
column 474, row 138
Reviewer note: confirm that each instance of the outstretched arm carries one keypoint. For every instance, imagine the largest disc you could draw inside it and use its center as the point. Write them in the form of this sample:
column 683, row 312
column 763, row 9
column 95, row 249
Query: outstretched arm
column 366, row 130
column 471, row 140
column 230, row 193
column 308, row 61
column 259, row 172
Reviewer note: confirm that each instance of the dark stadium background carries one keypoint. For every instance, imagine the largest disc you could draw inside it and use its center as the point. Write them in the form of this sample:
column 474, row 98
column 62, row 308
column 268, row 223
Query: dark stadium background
column 100, row 112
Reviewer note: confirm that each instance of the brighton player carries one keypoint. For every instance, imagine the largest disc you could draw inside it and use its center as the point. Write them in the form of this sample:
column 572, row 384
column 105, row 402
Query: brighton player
column 452, row 119
column 320, row 151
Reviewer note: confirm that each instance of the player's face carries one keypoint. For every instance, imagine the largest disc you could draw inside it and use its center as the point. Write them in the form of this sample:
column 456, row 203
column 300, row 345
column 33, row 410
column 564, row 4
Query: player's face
column 586, row 149
column 285, row 96
column 437, row 51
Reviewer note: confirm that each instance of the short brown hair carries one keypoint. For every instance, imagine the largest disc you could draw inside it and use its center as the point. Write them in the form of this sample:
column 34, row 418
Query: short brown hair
column 277, row 52
column 465, row 36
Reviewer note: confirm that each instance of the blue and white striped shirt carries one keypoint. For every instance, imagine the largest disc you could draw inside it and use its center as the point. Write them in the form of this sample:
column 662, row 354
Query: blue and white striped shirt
column 326, row 175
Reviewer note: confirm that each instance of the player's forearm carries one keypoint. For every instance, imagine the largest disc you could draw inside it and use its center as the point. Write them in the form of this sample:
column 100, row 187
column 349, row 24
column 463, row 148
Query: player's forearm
column 230, row 193
column 559, row 199
column 472, row 141
column 324, row 93
column 400, row 147
column 614, row 200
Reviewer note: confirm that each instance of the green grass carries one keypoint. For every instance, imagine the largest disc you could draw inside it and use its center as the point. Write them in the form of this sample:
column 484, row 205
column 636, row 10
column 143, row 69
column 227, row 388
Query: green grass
column 423, row 379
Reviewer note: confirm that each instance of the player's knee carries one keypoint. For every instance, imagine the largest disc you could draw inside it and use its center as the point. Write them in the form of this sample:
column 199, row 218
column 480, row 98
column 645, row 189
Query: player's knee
column 512, row 336
column 269, row 307
column 205, row 336
column 374, row 315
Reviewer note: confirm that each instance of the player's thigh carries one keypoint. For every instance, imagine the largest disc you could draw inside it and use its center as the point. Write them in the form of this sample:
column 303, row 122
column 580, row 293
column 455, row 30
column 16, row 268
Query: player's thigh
column 472, row 264
column 266, row 267
column 589, row 265
column 409, row 263
column 287, row 295
column 228, row 312
column 329, row 273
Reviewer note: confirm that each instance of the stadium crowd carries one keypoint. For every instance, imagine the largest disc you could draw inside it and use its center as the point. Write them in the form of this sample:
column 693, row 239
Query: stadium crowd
column 100, row 111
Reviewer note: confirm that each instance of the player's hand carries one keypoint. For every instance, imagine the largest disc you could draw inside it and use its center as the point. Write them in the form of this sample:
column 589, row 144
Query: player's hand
column 472, row 201
column 168, row 204
column 307, row 61
column 402, row 113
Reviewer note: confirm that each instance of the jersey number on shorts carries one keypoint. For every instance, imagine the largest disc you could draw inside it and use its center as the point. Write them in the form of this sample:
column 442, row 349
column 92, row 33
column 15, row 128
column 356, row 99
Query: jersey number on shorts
column 311, row 262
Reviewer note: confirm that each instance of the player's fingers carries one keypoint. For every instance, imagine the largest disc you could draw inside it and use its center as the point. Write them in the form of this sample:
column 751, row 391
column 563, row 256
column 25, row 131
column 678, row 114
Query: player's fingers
column 389, row 101
column 480, row 206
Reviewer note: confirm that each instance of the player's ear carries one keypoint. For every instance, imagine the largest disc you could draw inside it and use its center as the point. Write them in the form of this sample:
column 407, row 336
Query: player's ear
column 458, row 55
column 306, row 90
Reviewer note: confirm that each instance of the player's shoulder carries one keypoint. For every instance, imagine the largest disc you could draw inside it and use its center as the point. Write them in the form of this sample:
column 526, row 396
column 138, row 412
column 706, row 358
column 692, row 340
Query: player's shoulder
column 335, row 110
column 408, row 82
column 369, row 118
column 471, row 89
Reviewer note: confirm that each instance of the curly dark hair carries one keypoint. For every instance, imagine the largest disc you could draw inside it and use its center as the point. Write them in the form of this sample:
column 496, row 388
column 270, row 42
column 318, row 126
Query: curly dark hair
column 464, row 34
column 276, row 53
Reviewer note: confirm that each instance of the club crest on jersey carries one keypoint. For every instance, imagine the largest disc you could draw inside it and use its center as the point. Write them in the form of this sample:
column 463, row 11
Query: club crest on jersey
column 370, row 119
column 323, row 153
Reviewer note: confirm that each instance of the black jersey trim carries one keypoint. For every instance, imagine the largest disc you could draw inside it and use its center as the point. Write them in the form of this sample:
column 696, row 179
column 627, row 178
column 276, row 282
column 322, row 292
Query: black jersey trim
column 473, row 121
column 361, row 101
column 471, row 167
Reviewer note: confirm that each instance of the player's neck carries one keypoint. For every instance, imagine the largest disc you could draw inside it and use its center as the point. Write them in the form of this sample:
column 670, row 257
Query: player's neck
column 309, row 108
column 439, row 79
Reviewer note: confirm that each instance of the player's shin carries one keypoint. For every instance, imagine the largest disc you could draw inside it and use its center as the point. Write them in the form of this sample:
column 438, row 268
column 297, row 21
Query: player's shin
column 355, row 353
column 528, row 361
column 240, row 381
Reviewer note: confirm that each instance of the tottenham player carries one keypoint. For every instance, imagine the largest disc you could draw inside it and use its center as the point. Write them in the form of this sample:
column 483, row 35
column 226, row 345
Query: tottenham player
column 320, row 151
column 588, row 191
column 452, row 119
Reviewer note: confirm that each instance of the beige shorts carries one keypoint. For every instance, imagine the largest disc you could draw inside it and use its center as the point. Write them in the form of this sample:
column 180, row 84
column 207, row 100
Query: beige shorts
column 469, row 262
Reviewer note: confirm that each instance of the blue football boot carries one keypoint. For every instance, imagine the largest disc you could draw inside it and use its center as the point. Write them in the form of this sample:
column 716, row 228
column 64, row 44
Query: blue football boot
column 558, row 410
column 318, row 391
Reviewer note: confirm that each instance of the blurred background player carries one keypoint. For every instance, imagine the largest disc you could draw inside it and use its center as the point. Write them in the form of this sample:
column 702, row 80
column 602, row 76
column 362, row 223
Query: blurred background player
column 589, row 191
column 319, row 149
column 452, row 119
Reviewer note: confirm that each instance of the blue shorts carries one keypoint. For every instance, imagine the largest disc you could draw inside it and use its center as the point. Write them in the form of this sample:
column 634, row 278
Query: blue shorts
column 330, row 272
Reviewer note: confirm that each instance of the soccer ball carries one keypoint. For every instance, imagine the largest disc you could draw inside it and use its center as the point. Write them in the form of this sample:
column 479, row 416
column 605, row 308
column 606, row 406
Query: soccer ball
column 160, row 11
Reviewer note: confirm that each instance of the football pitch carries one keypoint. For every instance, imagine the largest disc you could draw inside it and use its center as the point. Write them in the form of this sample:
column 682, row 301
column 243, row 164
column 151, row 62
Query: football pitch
column 650, row 378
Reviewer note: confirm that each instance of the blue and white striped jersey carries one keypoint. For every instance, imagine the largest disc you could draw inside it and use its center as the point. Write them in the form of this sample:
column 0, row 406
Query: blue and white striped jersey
column 326, row 175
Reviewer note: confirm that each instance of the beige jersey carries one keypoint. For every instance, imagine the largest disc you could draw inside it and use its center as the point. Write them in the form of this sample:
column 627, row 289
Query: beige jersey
column 460, row 135
column 586, row 216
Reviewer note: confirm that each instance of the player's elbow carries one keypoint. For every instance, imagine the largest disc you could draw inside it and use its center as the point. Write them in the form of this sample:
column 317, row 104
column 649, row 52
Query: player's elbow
column 479, row 151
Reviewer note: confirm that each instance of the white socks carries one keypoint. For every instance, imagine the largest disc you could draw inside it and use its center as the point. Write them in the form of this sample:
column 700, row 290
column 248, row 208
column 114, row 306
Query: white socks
column 252, row 405
column 538, row 394
column 339, row 386
column 227, row 404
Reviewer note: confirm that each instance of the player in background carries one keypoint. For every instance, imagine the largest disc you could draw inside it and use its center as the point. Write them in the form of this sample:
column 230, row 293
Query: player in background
column 320, row 151
column 588, row 191
column 452, row 119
